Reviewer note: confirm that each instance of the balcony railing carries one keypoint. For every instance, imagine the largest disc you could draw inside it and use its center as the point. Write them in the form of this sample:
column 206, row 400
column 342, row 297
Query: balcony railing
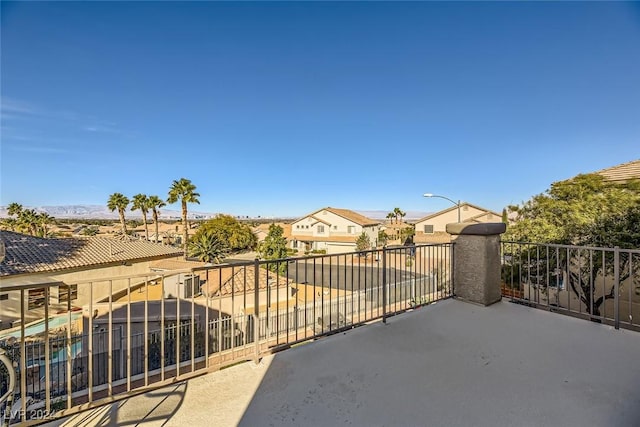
column 125, row 335
column 599, row 284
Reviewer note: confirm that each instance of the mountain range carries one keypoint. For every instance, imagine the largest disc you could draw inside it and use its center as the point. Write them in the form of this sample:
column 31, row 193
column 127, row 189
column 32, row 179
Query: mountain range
column 102, row 212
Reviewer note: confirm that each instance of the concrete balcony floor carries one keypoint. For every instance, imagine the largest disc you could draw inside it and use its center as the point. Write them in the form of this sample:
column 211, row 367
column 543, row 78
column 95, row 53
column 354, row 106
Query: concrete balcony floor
column 448, row 364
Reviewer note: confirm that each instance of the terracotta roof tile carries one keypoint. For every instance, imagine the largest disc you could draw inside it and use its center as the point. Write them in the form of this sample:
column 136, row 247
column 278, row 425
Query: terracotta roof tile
column 238, row 280
column 28, row 254
column 623, row 172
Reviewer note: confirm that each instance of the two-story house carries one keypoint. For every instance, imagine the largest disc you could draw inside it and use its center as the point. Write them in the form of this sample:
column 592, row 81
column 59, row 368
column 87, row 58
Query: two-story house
column 332, row 230
column 432, row 228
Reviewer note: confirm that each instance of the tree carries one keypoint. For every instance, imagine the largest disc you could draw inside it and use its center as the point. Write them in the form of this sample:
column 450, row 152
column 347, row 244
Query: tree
column 207, row 247
column 14, row 209
column 141, row 202
column 363, row 242
column 505, row 216
column 237, row 236
column 44, row 219
column 28, row 221
column 274, row 247
column 397, row 213
column 155, row 203
column 561, row 213
column 390, row 217
column 586, row 210
column 184, row 191
column 119, row 202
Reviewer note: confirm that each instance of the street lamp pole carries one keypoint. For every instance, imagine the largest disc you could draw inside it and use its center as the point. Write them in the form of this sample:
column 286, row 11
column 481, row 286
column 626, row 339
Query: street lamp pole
column 457, row 204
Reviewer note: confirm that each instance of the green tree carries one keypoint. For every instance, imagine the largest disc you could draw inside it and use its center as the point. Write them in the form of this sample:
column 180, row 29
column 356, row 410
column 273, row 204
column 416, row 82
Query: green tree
column 363, row 242
column 397, row 212
column 28, row 220
column 586, row 210
column 207, row 247
column 141, row 202
column 155, row 203
column 44, row 220
column 184, row 191
column 390, row 217
column 14, row 209
column 236, row 235
column 505, row 216
column 274, row 247
column 561, row 214
column 119, row 202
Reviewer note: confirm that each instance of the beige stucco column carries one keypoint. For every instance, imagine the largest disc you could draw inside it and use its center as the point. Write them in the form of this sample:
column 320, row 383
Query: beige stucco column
column 476, row 262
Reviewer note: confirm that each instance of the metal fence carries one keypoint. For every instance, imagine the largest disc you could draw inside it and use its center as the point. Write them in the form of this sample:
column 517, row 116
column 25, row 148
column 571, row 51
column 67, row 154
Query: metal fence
column 599, row 284
column 140, row 331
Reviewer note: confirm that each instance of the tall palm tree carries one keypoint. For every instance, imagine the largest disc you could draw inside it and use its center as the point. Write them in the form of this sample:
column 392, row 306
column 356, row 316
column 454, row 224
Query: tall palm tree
column 120, row 202
column 44, row 219
column 141, row 202
column 155, row 203
column 396, row 213
column 28, row 221
column 390, row 217
column 184, row 191
column 14, row 209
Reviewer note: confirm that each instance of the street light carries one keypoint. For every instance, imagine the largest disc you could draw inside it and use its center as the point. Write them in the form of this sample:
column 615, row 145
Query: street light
column 429, row 195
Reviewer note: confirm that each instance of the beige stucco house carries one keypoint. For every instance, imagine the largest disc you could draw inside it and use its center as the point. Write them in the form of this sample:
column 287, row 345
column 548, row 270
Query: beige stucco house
column 75, row 269
column 432, row 228
column 332, row 230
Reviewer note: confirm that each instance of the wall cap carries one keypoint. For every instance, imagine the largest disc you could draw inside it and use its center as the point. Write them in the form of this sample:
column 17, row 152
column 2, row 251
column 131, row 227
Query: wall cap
column 482, row 229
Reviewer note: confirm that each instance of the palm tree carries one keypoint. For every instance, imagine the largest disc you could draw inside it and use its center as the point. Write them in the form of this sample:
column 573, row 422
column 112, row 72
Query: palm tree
column 141, row 201
column 207, row 247
column 396, row 213
column 184, row 191
column 14, row 209
column 155, row 203
column 28, row 221
column 390, row 217
column 120, row 202
column 44, row 219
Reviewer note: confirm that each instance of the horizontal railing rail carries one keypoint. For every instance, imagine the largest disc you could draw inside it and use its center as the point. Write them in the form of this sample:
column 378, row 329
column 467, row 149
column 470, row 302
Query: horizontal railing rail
column 595, row 283
column 78, row 345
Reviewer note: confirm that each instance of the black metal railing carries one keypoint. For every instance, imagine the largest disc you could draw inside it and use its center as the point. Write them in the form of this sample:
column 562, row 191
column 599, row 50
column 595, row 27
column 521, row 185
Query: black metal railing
column 599, row 284
column 126, row 334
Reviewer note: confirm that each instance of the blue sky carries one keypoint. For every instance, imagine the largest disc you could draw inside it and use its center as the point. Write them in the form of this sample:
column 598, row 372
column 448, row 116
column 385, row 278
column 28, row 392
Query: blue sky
column 283, row 108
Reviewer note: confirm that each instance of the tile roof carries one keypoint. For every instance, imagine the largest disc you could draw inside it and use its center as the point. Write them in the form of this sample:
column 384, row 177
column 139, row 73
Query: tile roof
column 353, row 216
column 28, row 254
column 344, row 213
column 435, row 214
column 623, row 172
column 238, row 280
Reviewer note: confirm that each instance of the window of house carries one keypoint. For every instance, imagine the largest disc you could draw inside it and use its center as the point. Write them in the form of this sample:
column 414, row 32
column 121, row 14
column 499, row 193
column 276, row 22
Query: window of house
column 351, row 229
column 335, row 227
column 428, row 228
column 321, row 229
column 4, row 297
column 36, row 298
column 294, row 244
column 307, row 226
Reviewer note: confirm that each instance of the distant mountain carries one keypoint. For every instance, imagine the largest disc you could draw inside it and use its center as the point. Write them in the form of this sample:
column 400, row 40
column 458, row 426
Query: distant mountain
column 102, row 212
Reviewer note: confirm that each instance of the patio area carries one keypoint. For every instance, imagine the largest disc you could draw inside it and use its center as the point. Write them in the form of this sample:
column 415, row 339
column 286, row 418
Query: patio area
column 449, row 363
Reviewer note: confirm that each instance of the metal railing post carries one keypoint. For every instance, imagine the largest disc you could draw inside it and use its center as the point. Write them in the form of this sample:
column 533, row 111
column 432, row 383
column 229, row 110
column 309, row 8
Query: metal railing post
column 256, row 310
column 616, row 287
column 384, row 284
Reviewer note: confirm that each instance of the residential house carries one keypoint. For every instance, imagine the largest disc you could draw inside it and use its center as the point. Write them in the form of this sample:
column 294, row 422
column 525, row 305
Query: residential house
column 332, row 230
column 395, row 231
column 66, row 266
column 432, row 228
column 262, row 230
